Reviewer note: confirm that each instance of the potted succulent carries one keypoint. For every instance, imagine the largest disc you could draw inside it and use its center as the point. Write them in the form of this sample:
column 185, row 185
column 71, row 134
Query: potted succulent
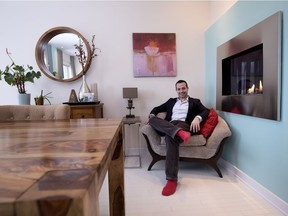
column 41, row 98
column 18, row 75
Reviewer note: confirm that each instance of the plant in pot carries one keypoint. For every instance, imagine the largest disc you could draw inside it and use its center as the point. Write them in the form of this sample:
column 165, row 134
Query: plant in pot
column 18, row 75
column 41, row 98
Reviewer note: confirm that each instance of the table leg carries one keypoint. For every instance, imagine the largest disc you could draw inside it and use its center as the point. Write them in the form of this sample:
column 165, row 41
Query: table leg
column 116, row 181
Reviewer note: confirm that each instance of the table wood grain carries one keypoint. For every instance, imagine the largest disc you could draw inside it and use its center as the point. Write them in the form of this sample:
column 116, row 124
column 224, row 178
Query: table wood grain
column 58, row 167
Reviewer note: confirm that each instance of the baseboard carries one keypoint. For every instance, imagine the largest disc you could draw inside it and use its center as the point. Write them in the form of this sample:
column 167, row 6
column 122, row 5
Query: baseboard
column 258, row 188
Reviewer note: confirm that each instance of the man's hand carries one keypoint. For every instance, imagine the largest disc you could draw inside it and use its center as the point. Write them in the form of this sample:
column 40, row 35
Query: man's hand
column 195, row 125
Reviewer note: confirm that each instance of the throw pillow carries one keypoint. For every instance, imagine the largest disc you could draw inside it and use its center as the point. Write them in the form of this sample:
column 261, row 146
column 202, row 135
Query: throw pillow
column 209, row 124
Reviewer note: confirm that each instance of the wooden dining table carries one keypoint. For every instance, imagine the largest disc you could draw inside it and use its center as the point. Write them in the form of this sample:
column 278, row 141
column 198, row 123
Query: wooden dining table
column 58, row 167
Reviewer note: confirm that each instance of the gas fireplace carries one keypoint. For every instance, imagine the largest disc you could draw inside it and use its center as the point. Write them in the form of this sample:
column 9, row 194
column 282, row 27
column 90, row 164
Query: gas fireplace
column 242, row 73
column 249, row 71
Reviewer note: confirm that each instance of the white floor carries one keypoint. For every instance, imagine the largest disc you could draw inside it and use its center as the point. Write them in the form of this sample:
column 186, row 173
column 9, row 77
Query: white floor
column 200, row 192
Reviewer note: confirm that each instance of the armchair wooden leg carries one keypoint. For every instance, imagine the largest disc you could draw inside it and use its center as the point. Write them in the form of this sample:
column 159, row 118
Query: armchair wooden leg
column 216, row 168
column 154, row 160
column 155, row 157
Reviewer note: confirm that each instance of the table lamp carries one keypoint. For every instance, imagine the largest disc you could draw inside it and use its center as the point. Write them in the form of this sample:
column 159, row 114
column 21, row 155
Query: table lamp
column 130, row 93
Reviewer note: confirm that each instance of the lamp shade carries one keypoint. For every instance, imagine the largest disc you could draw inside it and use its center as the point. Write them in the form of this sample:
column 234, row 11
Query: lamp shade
column 130, row 92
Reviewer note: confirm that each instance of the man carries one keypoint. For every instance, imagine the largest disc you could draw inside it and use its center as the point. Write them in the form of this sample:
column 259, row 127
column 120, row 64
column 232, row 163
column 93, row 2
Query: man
column 183, row 118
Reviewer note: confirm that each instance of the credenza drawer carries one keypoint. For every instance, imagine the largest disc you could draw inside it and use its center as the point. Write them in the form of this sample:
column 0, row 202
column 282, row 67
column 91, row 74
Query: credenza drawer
column 86, row 111
column 82, row 113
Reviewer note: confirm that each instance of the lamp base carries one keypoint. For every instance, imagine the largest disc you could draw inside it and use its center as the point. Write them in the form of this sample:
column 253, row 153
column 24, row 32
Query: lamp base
column 130, row 116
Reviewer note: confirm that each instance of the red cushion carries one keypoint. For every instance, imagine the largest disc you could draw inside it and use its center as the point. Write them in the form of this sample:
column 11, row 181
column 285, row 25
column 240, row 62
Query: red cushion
column 207, row 127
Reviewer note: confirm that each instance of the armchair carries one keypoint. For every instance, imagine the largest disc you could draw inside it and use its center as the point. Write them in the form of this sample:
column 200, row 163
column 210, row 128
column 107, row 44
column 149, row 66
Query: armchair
column 199, row 149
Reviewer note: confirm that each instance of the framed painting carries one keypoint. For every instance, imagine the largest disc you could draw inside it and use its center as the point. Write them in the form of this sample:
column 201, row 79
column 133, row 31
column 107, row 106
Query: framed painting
column 154, row 54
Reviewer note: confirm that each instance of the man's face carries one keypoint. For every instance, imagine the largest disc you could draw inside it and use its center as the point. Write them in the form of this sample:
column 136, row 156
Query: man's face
column 182, row 90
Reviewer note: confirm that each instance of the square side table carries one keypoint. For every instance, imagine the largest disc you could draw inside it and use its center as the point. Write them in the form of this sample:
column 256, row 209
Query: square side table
column 132, row 158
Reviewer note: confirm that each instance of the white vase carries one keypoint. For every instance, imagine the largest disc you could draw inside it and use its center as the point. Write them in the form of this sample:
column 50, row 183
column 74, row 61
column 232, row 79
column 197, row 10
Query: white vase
column 24, row 99
column 83, row 90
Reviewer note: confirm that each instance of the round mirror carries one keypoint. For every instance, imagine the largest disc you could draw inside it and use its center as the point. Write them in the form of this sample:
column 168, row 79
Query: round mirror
column 56, row 54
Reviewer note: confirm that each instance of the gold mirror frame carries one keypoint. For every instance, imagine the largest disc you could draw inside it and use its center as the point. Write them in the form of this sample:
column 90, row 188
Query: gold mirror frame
column 42, row 45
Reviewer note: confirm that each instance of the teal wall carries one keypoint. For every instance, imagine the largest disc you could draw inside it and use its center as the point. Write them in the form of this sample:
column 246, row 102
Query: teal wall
column 258, row 147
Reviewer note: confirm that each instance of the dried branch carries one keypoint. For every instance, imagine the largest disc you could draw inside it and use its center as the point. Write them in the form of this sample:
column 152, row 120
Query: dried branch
column 81, row 55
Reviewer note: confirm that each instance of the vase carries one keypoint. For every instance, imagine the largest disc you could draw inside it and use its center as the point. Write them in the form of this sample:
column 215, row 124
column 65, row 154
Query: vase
column 24, row 99
column 84, row 89
column 39, row 101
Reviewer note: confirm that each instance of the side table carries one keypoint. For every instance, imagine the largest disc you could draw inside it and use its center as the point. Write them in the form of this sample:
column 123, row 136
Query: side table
column 132, row 160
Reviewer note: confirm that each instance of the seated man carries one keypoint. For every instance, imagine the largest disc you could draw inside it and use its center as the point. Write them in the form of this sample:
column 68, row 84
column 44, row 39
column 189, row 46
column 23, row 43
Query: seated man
column 183, row 118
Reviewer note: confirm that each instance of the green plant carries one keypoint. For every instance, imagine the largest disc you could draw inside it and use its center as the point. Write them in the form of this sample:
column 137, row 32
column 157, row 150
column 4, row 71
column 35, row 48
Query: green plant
column 17, row 75
column 41, row 98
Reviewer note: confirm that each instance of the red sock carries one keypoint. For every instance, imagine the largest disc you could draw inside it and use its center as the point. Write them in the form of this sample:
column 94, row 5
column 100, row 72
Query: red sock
column 169, row 188
column 184, row 135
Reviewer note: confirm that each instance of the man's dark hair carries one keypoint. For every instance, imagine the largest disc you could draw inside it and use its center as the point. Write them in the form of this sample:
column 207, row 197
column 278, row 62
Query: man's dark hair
column 181, row 81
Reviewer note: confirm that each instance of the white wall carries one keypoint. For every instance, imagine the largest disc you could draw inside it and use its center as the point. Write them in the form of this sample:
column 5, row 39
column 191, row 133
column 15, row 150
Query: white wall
column 23, row 23
column 113, row 24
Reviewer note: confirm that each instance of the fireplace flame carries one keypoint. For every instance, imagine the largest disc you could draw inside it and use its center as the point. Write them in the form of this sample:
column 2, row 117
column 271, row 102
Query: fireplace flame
column 260, row 86
column 251, row 90
column 254, row 90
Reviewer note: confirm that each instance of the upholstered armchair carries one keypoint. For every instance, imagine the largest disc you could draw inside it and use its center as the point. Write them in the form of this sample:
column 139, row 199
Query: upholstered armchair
column 205, row 148
column 33, row 112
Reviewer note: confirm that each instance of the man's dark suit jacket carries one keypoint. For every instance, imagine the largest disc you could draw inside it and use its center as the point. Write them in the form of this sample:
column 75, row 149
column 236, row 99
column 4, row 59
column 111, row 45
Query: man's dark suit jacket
column 195, row 108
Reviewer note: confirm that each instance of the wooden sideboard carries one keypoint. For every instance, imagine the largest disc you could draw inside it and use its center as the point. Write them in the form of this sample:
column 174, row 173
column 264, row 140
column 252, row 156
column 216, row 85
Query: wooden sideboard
column 86, row 111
